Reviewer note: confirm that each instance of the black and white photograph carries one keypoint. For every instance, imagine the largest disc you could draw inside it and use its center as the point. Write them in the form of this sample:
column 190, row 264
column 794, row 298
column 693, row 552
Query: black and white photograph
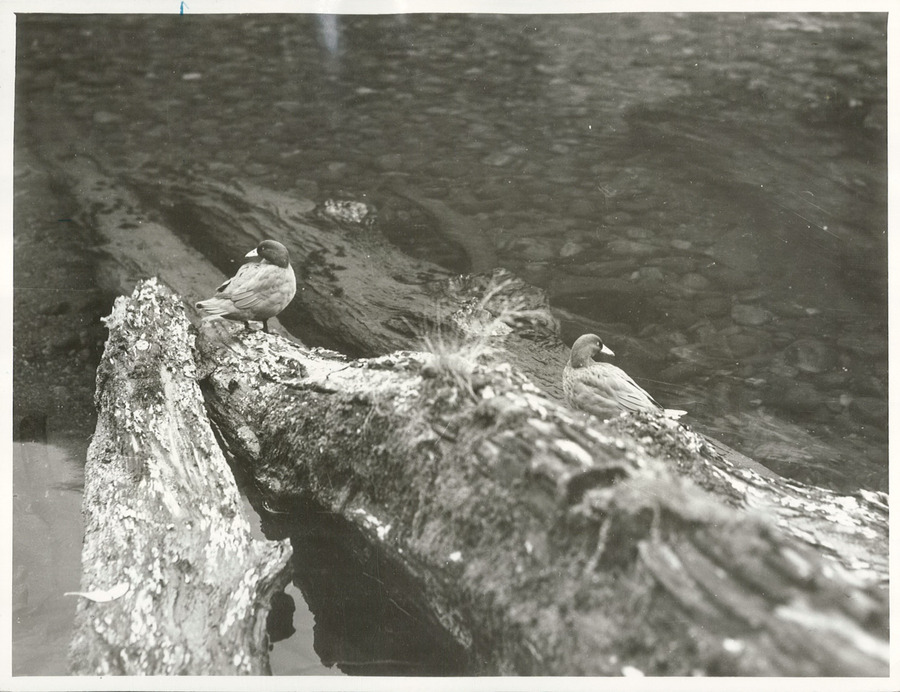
column 354, row 344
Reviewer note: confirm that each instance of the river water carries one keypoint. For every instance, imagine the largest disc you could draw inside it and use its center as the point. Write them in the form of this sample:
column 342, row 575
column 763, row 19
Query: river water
column 708, row 192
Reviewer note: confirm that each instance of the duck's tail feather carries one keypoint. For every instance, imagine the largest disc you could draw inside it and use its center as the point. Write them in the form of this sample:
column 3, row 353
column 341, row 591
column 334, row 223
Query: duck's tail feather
column 215, row 307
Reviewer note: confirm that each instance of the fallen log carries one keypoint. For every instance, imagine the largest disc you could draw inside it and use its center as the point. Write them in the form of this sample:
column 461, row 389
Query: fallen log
column 546, row 542
column 172, row 582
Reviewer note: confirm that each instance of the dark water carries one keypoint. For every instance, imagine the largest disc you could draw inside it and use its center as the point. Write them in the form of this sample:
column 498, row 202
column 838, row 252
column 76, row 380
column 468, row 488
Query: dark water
column 48, row 481
column 354, row 607
column 708, row 192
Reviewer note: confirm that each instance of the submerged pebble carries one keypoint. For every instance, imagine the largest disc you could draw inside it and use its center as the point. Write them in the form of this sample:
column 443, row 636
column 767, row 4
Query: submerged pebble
column 750, row 315
column 631, row 247
column 867, row 345
column 582, row 208
column 794, row 396
column 570, row 249
column 695, row 282
column 811, row 355
column 728, row 278
column 870, row 410
column 712, row 306
column 534, row 248
column 498, row 159
column 638, row 233
column 617, row 218
column 105, row 117
column 648, row 275
column 677, row 264
column 745, row 343
column 606, row 268
column 681, row 372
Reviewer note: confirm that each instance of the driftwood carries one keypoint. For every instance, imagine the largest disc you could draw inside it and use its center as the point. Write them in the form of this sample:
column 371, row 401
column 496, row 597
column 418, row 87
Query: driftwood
column 542, row 540
column 172, row 583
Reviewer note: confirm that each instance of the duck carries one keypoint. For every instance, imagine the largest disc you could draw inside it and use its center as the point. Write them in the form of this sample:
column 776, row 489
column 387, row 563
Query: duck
column 261, row 289
column 602, row 388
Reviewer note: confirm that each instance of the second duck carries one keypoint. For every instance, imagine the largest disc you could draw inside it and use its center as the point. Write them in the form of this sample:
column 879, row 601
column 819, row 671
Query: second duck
column 602, row 388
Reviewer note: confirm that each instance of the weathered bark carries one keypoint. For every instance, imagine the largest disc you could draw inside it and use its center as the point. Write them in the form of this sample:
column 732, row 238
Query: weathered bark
column 548, row 543
column 850, row 529
column 172, row 582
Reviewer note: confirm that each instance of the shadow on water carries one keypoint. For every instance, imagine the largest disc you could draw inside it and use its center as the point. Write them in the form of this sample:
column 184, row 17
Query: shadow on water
column 370, row 618
column 350, row 607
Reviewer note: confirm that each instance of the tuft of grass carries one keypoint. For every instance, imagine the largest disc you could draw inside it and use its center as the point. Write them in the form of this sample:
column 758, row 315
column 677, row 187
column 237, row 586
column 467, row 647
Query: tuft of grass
column 456, row 356
column 454, row 359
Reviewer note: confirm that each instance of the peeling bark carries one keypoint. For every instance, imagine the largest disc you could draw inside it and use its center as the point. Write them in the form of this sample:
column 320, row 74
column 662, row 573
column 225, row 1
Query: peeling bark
column 172, row 583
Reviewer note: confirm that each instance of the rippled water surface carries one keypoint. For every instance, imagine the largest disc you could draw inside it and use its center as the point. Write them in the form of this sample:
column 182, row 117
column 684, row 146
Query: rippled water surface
column 707, row 192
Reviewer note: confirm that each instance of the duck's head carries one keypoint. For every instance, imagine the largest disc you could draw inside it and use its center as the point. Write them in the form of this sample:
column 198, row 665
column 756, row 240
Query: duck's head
column 584, row 348
column 271, row 251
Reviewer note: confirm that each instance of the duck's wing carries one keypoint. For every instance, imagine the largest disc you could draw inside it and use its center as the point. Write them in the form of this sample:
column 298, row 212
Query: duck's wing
column 587, row 392
column 243, row 289
column 631, row 395
column 615, row 384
